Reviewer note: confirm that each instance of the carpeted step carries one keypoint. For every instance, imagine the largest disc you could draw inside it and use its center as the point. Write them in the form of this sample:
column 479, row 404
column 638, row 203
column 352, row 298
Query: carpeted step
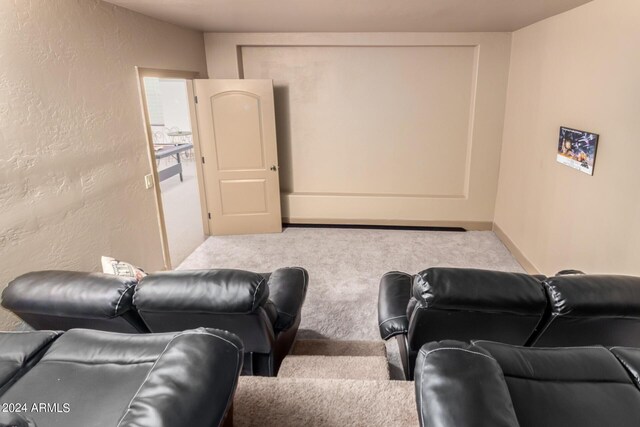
column 339, row 348
column 266, row 402
column 359, row 360
column 337, row 367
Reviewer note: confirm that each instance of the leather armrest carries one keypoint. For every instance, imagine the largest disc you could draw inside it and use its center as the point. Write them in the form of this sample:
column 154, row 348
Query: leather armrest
column 287, row 291
column 393, row 299
column 204, row 362
column 459, row 384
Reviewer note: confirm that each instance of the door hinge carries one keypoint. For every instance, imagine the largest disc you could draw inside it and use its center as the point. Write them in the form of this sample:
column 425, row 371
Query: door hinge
column 195, row 99
column 209, row 213
column 203, row 160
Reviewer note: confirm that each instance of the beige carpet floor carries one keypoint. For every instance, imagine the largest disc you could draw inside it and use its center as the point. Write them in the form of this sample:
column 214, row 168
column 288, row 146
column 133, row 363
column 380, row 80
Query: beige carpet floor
column 345, row 266
column 279, row 402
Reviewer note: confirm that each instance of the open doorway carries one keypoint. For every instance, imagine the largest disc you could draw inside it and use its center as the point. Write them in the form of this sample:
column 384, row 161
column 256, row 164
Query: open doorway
column 173, row 155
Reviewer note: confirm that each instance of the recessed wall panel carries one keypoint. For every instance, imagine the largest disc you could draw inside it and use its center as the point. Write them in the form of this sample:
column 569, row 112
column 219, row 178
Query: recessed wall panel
column 370, row 120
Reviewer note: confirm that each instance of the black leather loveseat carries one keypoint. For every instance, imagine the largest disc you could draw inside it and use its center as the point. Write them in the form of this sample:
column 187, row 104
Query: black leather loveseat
column 513, row 308
column 95, row 378
column 263, row 310
column 499, row 385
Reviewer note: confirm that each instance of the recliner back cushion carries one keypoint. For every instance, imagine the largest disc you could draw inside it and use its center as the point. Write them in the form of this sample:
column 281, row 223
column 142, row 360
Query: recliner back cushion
column 202, row 291
column 231, row 300
column 592, row 310
column 465, row 304
column 62, row 300
column 70, row 293
column 567, row 387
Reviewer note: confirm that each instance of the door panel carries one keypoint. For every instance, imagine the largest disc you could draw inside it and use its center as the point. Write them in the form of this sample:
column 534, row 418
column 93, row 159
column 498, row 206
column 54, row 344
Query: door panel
column 237, row 131
column 236, row 123
column 245, row 196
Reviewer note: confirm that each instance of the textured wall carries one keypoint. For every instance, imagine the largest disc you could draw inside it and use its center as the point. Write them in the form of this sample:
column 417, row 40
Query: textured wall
column 580, row 69
column 73, row 151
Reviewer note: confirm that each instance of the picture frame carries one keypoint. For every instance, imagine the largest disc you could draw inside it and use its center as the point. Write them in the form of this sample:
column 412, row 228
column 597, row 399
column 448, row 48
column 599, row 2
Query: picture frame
column 577, row 149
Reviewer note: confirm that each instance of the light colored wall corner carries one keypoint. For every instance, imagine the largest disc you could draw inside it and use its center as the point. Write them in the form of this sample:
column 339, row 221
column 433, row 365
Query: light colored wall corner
column 579, row 69
column 380, row 127
column 73, row 152
column 515, row 251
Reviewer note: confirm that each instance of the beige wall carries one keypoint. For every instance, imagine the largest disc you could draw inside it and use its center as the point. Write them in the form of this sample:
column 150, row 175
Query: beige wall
column 380, row 127
column 73, row 150
column 582, row 70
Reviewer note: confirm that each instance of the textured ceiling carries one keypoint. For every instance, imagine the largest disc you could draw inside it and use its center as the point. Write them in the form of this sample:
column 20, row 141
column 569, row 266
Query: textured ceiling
column 350, row 15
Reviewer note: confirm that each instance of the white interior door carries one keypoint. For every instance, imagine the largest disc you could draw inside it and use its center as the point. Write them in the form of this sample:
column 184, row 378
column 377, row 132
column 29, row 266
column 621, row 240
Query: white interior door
column 236, row 124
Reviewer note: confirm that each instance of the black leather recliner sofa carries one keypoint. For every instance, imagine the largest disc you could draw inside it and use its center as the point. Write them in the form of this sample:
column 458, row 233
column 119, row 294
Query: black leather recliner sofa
column 467, row 304
column 499, row 385
column 264, row 310
column 88, row 377
column 461, row 304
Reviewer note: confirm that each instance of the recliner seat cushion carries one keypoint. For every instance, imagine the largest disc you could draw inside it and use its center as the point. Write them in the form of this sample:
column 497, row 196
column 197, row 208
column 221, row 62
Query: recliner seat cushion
column 9, row 419
column 142, row 380
column 18, row 351
column 567, row 387
column 494, row 384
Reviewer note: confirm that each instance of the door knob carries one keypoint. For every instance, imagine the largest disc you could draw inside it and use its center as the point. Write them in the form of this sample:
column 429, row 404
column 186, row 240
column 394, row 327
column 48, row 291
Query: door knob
column 274, row 168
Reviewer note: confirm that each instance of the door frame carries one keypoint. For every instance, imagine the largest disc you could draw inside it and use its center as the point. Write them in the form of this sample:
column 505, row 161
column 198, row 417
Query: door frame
column 188, row 76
